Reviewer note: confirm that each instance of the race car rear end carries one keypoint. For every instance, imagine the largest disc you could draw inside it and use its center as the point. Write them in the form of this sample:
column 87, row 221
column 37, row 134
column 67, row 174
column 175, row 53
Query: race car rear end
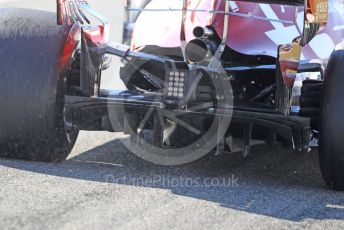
column 181, row 104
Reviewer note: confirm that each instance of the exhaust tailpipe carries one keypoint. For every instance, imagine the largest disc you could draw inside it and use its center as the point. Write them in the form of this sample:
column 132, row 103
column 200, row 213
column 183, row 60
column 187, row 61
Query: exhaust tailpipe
column 203, row 32
column 199, row 50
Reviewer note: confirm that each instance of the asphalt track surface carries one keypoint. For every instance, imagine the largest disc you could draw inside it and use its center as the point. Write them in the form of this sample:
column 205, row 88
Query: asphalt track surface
column 103, row 186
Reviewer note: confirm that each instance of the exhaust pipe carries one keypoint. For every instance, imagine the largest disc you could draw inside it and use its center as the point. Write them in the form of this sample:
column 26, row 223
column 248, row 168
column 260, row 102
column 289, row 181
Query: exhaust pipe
column 203, row 32
column 203, row 47
column 199, row 50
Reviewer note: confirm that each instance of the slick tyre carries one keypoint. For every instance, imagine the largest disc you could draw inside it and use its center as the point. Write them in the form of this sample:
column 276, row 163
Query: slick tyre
column 32, row 87
column 331, row 151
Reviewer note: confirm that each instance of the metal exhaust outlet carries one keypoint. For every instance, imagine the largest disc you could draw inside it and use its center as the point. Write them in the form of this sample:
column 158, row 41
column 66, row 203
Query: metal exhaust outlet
column 199, row 50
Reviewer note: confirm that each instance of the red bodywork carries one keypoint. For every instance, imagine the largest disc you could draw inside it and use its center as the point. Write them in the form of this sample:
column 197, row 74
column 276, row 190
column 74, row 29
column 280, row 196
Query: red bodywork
column 246, row 35
column 69, row 48
column 97, row 35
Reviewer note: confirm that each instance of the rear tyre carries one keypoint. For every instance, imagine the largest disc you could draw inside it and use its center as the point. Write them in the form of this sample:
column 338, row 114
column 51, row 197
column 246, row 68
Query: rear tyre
column 32, row 87
column 331, row 149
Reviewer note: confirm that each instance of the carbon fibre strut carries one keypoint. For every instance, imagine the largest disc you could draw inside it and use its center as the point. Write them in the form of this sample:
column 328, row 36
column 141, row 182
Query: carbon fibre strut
column 247, row 139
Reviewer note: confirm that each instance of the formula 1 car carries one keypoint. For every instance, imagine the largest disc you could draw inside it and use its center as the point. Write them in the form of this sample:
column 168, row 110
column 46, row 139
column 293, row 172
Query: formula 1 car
column 233, row 75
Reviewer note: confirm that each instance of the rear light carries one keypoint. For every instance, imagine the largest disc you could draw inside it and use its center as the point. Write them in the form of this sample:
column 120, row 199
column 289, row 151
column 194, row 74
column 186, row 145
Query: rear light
column 176, row 83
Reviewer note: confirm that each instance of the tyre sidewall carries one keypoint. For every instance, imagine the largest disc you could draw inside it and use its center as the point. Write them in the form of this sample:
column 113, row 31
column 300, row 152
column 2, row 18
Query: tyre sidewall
column 31, row 92
column 331, row 143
